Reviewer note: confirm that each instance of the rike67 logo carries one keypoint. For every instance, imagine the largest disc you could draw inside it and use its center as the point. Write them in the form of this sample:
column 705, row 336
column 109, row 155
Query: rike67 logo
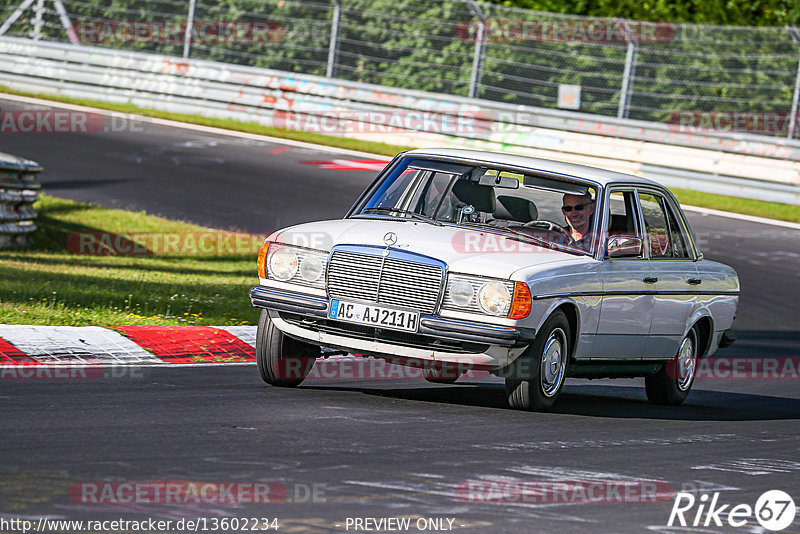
column 774, row 510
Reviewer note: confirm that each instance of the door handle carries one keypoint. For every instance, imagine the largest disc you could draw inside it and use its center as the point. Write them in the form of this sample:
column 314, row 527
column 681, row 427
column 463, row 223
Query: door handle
column 650, row 279
column 694, row 281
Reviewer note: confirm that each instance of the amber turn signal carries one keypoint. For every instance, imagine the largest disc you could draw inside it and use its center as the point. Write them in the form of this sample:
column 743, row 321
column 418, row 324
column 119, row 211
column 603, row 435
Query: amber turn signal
column 261, row 263
column 521, row 304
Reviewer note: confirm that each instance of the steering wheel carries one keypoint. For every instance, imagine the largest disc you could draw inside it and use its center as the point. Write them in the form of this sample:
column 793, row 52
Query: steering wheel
column 549, row 226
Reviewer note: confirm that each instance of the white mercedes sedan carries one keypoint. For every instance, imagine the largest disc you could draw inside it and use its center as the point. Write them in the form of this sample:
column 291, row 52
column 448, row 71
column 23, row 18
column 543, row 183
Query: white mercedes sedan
column 530, row 269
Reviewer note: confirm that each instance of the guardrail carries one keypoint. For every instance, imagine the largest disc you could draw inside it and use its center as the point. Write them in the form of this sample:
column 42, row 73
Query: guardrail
column 607, row 66
column 750, row 166
column 17, row 194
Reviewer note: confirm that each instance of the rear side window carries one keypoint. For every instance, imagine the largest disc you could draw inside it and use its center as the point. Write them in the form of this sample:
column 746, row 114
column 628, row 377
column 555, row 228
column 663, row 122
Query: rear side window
column 664, row 236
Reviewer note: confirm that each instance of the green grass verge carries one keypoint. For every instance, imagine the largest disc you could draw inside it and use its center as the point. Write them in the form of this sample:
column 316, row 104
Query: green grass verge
column 746, row 206
column 48, row 284
column 771, row 210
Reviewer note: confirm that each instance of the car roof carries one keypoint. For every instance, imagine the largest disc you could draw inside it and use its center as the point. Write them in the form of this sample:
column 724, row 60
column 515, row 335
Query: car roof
column 602, row 176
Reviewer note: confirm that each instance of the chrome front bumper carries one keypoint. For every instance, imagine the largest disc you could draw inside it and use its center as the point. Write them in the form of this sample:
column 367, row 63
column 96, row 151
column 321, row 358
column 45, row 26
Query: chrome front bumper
column 317, row 308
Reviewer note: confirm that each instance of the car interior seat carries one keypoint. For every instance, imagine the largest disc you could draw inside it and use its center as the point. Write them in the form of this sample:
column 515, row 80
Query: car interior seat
column 480, row 197
column 515, row 209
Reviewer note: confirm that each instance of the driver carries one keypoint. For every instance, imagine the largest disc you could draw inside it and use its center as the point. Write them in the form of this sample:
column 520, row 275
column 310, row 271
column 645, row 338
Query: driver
column 578, row 211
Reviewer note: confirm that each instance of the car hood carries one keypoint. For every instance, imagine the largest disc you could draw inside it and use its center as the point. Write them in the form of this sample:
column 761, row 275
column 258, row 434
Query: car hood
column 465, row 250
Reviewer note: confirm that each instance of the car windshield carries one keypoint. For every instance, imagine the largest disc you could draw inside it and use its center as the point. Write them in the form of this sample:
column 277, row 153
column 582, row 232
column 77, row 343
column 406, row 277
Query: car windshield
column 554, row 213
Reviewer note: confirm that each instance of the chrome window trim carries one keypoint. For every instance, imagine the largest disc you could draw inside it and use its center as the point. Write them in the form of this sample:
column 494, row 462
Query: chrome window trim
column 642, row 227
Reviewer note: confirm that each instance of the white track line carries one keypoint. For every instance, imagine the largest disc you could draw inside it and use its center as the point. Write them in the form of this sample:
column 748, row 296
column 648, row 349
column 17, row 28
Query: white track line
column 189, row 126
column 742, row 217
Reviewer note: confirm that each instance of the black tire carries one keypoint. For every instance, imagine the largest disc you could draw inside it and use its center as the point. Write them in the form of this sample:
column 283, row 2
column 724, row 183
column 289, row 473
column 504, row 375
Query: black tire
column 534, row 380
column 671, row 385
column 282, row 361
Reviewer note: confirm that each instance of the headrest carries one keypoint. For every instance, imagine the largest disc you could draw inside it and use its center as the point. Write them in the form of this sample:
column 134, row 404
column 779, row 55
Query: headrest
column 481, row 197
column 515, row 209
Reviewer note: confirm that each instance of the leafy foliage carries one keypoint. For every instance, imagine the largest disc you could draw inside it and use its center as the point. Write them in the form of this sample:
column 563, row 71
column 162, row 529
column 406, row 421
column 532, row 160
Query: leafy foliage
column 426, row 45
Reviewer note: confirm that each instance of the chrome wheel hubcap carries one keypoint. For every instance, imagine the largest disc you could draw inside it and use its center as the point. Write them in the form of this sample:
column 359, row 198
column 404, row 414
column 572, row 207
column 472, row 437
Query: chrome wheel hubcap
column 686, row 363
column 553, row 361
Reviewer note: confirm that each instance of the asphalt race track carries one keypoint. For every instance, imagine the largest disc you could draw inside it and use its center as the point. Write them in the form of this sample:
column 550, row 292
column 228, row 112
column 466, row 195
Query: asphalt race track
column 382, row 448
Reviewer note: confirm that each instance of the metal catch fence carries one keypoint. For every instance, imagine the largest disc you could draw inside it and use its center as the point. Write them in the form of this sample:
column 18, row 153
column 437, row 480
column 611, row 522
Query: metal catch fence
column 743, row 79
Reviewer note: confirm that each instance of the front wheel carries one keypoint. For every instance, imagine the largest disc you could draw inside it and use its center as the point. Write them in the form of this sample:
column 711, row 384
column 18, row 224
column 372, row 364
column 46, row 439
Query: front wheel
column 671, row 385
column 282, row 361
column 535, row 378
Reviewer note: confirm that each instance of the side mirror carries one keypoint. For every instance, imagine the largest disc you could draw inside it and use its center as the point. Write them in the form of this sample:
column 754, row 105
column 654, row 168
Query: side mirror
column 624, row 246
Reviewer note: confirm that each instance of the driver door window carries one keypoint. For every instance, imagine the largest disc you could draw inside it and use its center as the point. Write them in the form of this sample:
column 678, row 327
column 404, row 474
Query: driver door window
column 622, row 220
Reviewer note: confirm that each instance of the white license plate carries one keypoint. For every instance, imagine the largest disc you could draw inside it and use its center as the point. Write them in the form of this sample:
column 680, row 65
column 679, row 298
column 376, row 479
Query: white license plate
column 354, row 312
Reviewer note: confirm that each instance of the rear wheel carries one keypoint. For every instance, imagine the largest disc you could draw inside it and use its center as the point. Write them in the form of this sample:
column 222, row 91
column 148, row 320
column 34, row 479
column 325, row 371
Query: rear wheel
column 671, row 385
column 534, row 380
column 282, row 361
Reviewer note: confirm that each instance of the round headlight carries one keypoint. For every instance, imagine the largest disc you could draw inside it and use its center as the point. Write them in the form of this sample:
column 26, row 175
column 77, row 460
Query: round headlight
column 283, row 264
column 494, row 298
column 311, row 268
column 461, row 293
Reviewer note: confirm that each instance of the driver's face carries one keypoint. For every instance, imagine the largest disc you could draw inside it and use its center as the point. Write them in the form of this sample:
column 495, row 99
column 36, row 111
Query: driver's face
column 578, row 210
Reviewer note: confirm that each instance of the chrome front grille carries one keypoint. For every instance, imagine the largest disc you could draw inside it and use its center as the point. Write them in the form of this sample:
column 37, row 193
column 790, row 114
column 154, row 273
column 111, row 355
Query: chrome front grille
column 388, row 281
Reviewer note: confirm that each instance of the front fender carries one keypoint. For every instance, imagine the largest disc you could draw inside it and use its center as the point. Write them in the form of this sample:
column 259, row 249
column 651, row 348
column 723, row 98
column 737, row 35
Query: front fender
column 584, row 319
column 553, row 306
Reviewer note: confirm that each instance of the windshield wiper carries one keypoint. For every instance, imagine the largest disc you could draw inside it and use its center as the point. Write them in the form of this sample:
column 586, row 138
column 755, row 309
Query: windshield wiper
column 412, row 214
